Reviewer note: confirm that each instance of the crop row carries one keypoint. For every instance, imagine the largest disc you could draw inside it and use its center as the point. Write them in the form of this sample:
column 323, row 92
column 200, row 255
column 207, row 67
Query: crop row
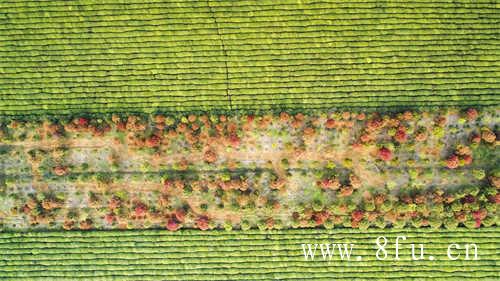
column 206, row 33
column 237, row 12
column 286, row 96
column 233, row 40
column 364, row 85
column 449, row 67
column 104, row 5
column 342, row 55
column 152, row 105
column 161, row 93
column 295, row 25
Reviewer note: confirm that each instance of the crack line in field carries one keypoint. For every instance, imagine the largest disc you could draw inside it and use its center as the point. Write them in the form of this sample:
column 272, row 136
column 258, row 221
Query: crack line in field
column 223, row 46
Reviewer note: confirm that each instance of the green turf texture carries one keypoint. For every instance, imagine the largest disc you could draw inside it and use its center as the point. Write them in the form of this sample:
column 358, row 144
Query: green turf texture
column 239, row 255
column 143, row 56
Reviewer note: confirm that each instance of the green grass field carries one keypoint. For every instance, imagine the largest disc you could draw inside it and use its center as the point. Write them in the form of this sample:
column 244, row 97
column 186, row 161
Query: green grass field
column 95, row 56
column 241, row 255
